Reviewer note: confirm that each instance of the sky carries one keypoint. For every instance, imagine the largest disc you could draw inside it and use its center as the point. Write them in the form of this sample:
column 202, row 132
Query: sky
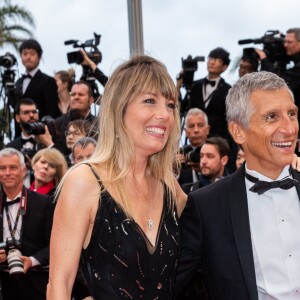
column 172, row 29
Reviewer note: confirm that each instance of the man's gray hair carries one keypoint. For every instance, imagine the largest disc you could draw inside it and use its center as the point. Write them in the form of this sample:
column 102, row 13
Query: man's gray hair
column 196, row 111
column 238, row 108
column 8, row 152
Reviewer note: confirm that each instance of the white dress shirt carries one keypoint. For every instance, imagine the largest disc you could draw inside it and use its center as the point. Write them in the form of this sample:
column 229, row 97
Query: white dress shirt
column 275, row 233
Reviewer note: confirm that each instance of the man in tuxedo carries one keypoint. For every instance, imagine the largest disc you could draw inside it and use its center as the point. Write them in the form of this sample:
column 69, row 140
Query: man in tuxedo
column 243, row 230
column 26, row 219
column 196, row 130
column 214, row 155
column 209, row 93
column 81, row 99
column 34, row 84
column 26, row 114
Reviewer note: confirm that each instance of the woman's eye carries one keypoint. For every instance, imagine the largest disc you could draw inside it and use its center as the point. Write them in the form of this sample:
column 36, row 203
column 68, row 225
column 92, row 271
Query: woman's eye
column 171, row 105
column 150, row 101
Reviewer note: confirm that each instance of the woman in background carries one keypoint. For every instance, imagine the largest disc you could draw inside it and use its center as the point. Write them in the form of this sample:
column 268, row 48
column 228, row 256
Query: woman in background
column 64, row 81
column 49, row 166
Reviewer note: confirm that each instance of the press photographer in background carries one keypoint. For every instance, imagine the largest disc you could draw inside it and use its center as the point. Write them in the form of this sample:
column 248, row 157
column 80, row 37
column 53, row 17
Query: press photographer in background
column 88, row 59
column 291, row 44
column 35, row 135
column 26, row 221
column 196, row 129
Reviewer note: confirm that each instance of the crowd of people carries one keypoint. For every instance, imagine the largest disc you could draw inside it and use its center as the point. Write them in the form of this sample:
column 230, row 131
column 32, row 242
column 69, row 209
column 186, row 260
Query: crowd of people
column 112, row 206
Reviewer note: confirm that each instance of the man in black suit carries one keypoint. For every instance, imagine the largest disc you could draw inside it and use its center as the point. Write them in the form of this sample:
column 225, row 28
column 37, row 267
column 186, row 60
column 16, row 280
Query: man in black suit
column 214, row 155
column 243, row 230
column 81, row 99
column 26, row 220
column 34, row 84
column 209, row 93
column 196, row 130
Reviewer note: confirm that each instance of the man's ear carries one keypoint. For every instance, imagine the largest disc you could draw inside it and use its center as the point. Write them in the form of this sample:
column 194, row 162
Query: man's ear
column 224, row 160
column 17, row 117
column 237, row 132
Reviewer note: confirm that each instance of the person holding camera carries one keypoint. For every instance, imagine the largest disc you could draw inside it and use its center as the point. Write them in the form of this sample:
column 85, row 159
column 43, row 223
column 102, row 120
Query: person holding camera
column 27, row 115
column 196, row 130
column 26, row 221
column 290, row 75
column 214, row 156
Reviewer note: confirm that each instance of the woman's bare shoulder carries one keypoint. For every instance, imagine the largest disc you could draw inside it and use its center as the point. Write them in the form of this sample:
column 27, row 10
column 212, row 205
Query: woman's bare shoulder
column 80, row 183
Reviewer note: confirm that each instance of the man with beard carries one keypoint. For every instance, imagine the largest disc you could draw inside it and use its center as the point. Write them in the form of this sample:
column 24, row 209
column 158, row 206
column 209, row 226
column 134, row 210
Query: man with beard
column 26, row 112
column 214, row 155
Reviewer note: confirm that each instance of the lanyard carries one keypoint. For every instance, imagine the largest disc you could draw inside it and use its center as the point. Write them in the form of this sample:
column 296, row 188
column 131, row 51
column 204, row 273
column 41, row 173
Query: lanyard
column 14, row 229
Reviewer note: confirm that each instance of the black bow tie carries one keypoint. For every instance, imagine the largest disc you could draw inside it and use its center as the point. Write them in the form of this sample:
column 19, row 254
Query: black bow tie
column 261, row 186
column 30, row 140
column 211, row 82
column 26, row 76
column 7, row 203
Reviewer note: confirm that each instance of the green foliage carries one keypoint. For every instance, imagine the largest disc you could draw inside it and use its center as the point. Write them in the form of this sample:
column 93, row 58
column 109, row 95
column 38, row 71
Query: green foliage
column 16, row 24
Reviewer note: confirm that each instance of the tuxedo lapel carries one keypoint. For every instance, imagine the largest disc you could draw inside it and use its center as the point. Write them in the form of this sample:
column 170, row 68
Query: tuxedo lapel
column 296, row 175
column 33, row 82
column 241, row 228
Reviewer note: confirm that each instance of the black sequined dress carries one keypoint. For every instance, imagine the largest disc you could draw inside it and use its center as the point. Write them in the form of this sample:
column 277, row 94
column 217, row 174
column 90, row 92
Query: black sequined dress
column 121, row 263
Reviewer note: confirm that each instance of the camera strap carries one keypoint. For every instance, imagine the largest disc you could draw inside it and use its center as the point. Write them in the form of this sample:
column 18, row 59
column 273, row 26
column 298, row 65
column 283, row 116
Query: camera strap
column 21, row 212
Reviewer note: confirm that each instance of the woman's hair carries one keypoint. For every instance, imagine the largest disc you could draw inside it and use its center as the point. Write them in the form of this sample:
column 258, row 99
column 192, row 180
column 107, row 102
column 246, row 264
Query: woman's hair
column 54, row 158
column 115, row 149
column 67, row 77
column 83, row 126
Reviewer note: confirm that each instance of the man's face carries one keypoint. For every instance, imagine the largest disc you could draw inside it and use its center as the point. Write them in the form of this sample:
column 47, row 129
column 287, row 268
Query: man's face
column 80, row 99
column 292, row 46
column 245, row 67
column 30, row 59
column 269, row 141
column 11, row 173
column 27, row 114
column 211, row 163
column 215, row 66
column 80, row 154
column 196, row 129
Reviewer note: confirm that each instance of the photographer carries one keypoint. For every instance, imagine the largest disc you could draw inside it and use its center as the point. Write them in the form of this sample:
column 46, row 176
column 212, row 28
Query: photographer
column 196, row 130
column 26, row 226
column 291, row 75
column 96, row 72
column 27, row 115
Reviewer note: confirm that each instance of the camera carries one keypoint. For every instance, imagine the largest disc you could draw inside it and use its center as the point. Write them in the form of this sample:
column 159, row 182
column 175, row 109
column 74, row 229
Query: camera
column 76, row 57
column 189, row 67
column 190, row 154
column 12, row 247
column 38, row 128
column 7, row 60
column 273, row 41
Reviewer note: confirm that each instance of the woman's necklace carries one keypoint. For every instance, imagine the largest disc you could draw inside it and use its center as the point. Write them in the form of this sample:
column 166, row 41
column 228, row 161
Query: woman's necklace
column 150, row 222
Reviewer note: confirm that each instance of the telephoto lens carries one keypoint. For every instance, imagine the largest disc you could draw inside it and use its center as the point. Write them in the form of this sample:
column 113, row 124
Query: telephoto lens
column 15, row 263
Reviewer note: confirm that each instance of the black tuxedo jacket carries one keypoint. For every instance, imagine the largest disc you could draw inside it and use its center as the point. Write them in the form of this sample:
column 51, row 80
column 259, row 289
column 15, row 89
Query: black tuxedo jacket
column 36, row 228
column 216, row 111
column 216, row 238
column 43, row 90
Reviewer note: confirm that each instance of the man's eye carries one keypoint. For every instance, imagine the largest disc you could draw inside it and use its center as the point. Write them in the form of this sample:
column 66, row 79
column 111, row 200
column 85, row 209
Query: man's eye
column 271, row 116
